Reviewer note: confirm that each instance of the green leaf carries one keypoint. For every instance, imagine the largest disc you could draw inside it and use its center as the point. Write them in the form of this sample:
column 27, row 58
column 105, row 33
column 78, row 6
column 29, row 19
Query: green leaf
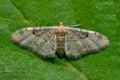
column 99, row 15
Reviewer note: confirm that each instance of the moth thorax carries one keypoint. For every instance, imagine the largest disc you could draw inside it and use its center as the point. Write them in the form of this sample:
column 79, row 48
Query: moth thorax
column 60, row 39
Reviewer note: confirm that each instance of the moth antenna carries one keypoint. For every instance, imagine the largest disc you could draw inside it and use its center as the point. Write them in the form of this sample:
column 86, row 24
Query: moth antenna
column 77, row 25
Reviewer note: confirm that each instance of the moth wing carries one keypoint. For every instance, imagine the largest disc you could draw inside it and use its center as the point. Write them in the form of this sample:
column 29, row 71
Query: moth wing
column 81, row 41
column 40, row 40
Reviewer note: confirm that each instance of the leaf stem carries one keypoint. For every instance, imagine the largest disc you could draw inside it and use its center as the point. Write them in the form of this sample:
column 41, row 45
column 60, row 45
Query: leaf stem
column 76, row 71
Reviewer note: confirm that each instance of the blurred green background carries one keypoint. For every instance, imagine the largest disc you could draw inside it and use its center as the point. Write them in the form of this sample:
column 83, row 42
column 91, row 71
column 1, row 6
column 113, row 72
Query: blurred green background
column 98, row 15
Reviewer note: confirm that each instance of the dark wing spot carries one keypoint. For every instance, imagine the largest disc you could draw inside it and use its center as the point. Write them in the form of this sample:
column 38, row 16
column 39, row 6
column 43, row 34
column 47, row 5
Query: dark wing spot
column 34, row 32
column 86, row 34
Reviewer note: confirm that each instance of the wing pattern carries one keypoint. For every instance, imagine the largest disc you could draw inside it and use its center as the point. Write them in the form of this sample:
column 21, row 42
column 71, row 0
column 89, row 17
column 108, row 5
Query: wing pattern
column 79, row 42
column 38, row 40
column 43, row 41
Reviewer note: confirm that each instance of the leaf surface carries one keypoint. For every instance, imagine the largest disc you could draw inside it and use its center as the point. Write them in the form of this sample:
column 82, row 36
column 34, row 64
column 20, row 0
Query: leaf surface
column 98, row 15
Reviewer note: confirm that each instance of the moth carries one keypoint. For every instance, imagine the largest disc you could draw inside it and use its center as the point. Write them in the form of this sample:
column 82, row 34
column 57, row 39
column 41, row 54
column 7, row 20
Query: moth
column 60, row 41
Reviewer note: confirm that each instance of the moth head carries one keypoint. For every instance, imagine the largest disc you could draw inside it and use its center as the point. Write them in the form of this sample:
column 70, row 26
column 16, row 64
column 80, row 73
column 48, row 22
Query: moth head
column 61, row 27
column 61, row 23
